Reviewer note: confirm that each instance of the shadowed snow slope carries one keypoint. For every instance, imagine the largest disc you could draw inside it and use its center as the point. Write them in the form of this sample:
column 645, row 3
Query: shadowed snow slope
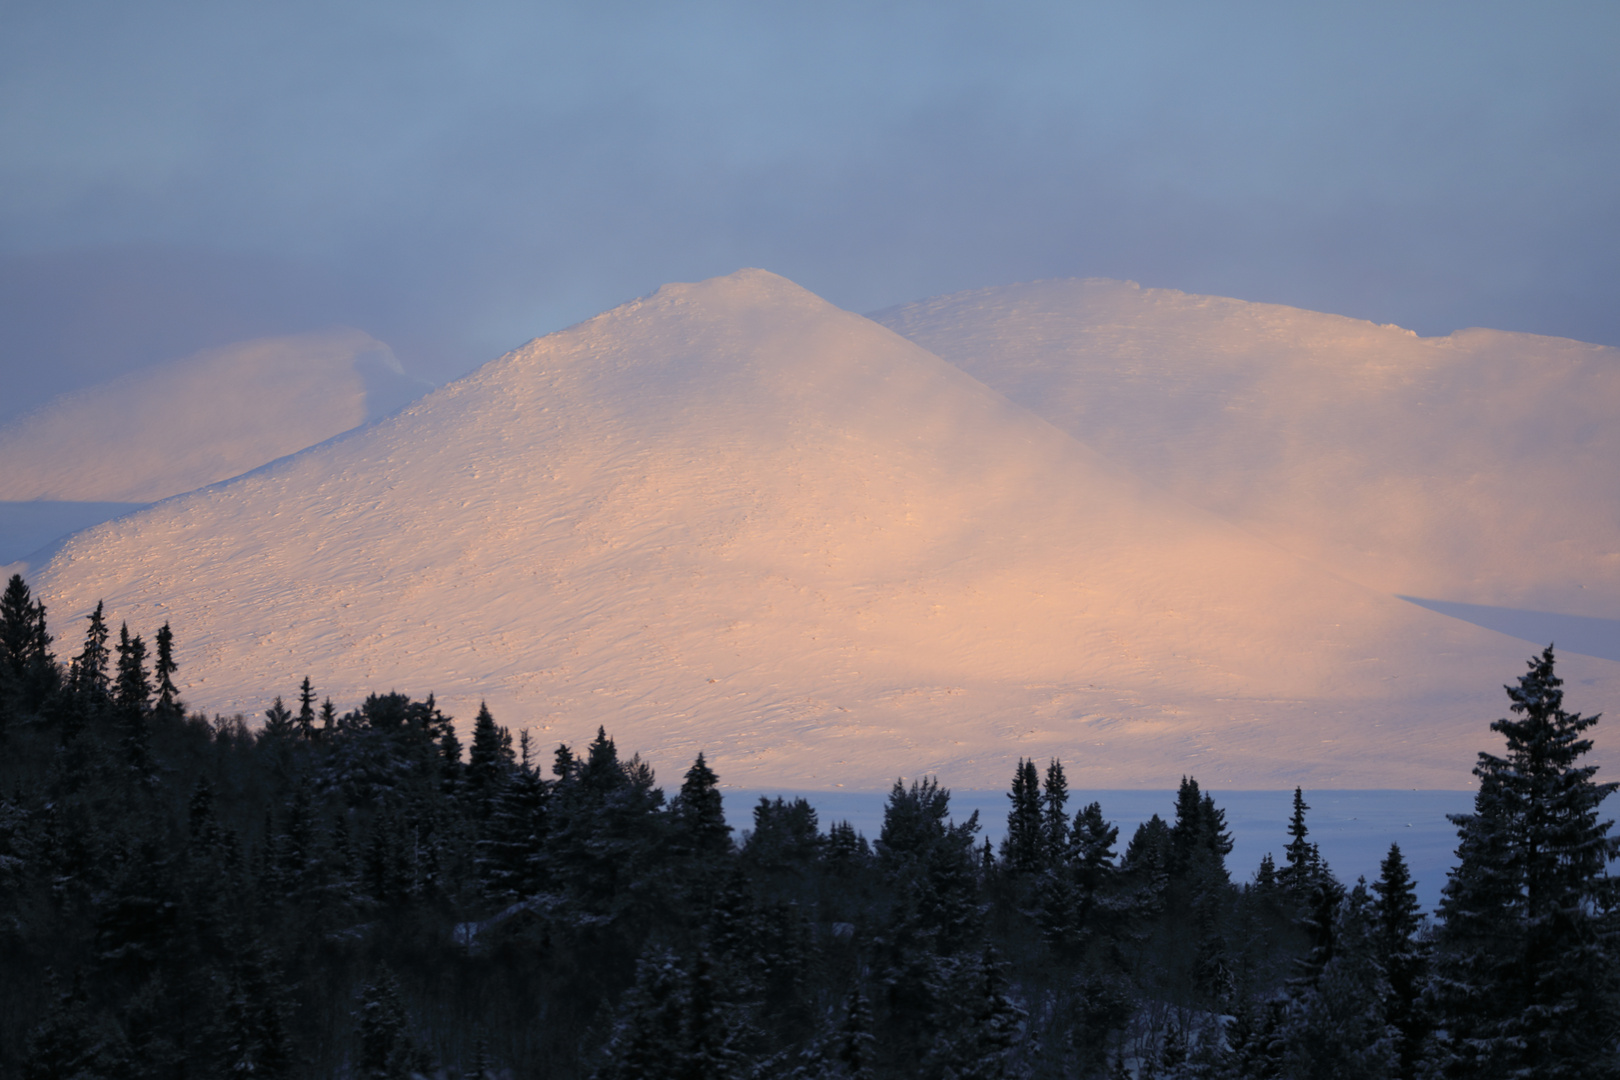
column 732, row 517
column 208, row 417
column 1479, row 467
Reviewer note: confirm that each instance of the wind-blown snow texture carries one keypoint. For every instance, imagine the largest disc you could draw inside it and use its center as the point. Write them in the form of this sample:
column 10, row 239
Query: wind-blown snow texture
column 734, row 518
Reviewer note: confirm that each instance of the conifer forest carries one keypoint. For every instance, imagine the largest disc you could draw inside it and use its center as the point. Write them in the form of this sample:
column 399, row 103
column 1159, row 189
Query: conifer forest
column 355, row 893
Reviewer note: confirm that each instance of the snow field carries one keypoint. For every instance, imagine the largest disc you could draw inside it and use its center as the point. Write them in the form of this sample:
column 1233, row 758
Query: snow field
column 730, row 517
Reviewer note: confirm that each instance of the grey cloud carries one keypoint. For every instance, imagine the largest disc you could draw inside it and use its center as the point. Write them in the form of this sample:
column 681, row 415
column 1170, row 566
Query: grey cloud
column 457, row 181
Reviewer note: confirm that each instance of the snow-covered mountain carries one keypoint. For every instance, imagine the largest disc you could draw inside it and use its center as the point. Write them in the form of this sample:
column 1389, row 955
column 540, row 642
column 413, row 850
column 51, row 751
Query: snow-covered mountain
column 198, row 420
column 1479, row 468
column 734, row 518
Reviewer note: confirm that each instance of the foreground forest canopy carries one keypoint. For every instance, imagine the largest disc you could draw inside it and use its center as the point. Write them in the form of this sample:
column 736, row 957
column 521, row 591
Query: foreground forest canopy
column 356, row 894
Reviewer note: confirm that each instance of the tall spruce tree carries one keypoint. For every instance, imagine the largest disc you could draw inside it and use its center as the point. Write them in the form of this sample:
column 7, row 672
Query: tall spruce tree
column 489, row 759
column 1265, row 876
column 1022, row 849
column 511, row 853
column 452, row 773
column 1199, row 842
column 16, row 624
column 932, row 856
column 278, row 720
column 132, row 694
column 1054, row 815
column 606, row 828
column 1145, row 867
column 1186, row 834
column 1079, row 856
column 1148, row 851
column 1304, row 862
column 168, row 696
column 1094, row 839
column 700, row 818
column 133, row 689
column 786, row 835
column 1397, row 919
column 26, row 663
column 306, row 710
column 847, row 850
column 1526, row 972
column 89, row 670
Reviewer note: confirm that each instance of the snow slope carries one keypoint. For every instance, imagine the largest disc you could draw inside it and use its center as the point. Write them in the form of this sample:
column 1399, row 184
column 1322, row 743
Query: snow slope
column 732, row 517
column 1477, row 468
column 190, row 422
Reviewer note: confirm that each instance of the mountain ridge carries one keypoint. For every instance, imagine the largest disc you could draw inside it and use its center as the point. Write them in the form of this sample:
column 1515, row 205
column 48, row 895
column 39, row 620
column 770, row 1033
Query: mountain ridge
column 1417, row 466
column 730, row 517
column 200, row 419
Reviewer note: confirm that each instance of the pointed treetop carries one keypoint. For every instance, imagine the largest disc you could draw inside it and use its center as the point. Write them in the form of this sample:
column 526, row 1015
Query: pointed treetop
column 1539, row 782
column 22, row 627
column 90, row 666
column 278, row 720
column 305, row 720
column 1054, row 811
column 1304, row 860
column 489, row 758
column 1023, row 850
column 134, row 688
column 1094, row 840
column 699, row 812
column 1524, row 962
column 1397, row 913
column 564, row 764
column 601, row 770
column 168, row 694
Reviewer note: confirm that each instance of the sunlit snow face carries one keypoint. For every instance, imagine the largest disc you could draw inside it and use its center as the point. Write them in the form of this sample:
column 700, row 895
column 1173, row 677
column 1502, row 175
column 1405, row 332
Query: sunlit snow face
column 183, row 175
column 732, row 518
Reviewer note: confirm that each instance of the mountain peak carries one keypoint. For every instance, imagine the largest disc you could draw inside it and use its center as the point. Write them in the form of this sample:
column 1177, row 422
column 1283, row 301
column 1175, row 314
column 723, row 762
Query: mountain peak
column 730, row 294
column 732, row 517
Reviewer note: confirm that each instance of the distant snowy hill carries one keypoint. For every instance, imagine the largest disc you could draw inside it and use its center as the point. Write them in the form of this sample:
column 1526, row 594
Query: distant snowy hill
column 187, row 423
column 1481, row 468
column 731, row 517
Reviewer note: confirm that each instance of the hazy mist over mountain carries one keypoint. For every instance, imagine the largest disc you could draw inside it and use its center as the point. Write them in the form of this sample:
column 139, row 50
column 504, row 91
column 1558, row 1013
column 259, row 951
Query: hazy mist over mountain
column 181, row 176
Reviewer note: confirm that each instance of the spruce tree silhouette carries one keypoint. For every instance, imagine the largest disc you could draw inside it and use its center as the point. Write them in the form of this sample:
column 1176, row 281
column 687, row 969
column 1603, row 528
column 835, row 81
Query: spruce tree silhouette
column 1525, row 978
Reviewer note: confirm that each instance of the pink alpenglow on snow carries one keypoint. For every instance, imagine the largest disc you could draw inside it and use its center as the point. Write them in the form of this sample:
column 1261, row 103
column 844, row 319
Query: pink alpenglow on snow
column 198, row 420
column 1477, row 468
column 731, row 517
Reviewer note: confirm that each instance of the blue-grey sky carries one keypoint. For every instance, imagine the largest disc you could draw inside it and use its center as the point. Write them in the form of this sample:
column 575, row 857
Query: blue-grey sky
column 458, row 178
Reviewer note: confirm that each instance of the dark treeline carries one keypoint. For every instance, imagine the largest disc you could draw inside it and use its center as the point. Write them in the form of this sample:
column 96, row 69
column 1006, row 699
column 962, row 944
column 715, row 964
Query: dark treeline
column 357, row 894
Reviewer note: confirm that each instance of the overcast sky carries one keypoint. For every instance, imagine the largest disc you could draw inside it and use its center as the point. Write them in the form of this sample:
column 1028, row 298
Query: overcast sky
column 456, row 179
